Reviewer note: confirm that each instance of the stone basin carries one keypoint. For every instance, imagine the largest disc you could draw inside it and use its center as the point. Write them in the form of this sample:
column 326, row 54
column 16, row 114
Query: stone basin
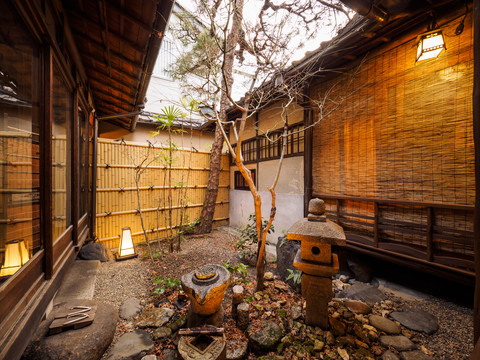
column 205, row 287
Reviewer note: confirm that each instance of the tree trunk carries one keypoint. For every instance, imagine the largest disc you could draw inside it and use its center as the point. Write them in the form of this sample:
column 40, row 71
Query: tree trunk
column 216, row 153
column 212, row 186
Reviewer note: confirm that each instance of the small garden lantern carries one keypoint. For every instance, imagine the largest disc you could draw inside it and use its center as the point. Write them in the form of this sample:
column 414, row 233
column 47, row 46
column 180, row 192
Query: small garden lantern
column 316, row 260
column 126, row 250
column 430, row 45
column 16, row 254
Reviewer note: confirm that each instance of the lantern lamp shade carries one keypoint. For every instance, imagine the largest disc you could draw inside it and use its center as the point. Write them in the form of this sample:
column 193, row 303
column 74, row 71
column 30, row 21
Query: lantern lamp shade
column 16, row 255
column 430, row 45
column 126, row 250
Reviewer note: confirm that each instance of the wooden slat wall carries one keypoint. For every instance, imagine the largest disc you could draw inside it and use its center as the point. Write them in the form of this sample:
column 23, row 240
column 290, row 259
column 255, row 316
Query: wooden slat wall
column 402, row 131
column 117, row 194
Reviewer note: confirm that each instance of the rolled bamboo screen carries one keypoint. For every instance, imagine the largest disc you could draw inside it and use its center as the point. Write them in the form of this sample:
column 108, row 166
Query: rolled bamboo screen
column 401, row 130
column 117, row 204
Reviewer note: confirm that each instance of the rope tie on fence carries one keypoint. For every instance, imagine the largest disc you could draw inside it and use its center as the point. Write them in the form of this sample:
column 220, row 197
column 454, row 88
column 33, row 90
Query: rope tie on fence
column 151, row 187
column 121, row 190
column 107, row 166
column 108, row 213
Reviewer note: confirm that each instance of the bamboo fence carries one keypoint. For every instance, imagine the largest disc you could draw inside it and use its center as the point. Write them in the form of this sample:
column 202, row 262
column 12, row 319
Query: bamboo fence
column 170, row 182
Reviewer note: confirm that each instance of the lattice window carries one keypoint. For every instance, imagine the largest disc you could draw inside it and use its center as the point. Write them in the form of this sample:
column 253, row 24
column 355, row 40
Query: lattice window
column 239, row 181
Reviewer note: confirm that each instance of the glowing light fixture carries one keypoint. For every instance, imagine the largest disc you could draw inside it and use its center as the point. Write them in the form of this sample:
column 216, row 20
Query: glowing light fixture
column 16, row 254
column 430, row 45
column 126, row 250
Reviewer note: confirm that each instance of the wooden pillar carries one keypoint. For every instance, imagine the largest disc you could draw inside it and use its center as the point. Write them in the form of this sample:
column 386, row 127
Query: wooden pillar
column 75, row 170
column 476, row 139
column 46, row 163
column 307, row 156
column 93, row 208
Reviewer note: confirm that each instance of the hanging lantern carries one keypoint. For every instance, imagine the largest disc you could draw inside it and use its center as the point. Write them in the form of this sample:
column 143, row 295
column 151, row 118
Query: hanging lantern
column 126, row 250
column 16, row 255
column 430, row 45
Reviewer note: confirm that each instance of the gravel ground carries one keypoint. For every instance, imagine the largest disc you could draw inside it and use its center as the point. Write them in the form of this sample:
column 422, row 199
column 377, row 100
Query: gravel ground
column 454, row 339
column 118, row 281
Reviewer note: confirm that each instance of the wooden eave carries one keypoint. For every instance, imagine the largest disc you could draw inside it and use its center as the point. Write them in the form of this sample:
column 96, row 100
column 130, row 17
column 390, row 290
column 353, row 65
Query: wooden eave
column 118, row 43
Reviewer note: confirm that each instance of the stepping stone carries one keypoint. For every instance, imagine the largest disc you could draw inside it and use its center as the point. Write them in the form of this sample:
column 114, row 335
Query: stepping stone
column 130, row 308
column 388, row 355
column 264, row 336
column 88, row 343
column 398, row 342
column 94, row 251
column 384, row 324
column 132, row 345
column 156, row 317
column 417, row 320
column 358, row 307
column 363, row 292
column 149, row 357
column 414, row 355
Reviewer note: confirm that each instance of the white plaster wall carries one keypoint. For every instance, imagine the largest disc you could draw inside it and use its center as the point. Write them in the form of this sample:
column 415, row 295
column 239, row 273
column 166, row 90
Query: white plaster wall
column 289, row 210
column 289, row 196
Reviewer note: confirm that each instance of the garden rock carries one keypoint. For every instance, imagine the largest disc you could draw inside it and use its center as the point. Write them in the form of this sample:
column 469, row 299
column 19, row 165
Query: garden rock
column 399, row 342
column 178, row 323
column 388, row 355
column 88, row 343
column 264, row 336
column 384, row 324
column 149, row 357
column 270, row 253
column 361, row 270
column 336, row 326
column 414, row 355
column 132, row 346
column 296, row 312
column 162, row 333
column 363, row 292
column 358, row 307
column 155, row 317
column 169, row 354
column 417, row 320
column 94, row 251
column 237, row 349
column 130, row 308
column 268, row 276
column 286, row 251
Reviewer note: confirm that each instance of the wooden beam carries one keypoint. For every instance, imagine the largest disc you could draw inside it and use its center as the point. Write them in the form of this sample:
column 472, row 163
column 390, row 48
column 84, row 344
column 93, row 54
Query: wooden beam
column 100, row 47
column 114, row 87
column 82, row 17
column 115, row 68
column 112, row 6
column 105, row 93
column 75, row 169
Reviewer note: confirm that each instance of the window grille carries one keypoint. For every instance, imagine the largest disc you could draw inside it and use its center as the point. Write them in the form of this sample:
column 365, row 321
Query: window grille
column 165, row 60
column 261, row 148
column 239, row 181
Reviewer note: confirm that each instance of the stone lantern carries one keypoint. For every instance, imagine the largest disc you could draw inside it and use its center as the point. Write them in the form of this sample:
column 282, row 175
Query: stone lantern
column 316, row 260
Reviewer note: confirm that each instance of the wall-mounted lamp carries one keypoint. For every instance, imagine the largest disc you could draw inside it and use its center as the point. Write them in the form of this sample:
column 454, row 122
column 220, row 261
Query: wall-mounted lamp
column 126, row 250
column 430, row 45
column 16, row 254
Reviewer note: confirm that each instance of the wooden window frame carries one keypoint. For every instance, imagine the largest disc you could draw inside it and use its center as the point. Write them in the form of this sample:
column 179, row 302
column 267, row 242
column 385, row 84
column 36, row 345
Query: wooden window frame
column 239, row 182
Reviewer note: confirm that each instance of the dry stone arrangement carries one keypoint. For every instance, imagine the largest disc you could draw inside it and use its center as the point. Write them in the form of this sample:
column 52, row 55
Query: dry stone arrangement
column 364, row 324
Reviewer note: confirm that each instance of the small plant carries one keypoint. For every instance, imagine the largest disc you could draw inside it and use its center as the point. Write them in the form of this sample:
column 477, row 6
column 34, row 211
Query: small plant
column 165, row 284
column 248, row 237
column 239, row 272
column 295, row 275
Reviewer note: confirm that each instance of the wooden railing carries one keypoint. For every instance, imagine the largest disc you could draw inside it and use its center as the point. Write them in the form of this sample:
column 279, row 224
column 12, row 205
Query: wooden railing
column 436, row 233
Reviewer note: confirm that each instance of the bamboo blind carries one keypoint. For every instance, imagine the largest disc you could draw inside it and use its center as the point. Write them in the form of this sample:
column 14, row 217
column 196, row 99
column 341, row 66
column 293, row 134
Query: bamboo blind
column 402, row 131
column 160, row 189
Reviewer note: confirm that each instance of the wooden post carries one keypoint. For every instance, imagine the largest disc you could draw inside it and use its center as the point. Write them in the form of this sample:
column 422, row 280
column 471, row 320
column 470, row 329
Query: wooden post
column 46, row 163
column 430, row 219
column 375, row 224
column 476, row 139
column 307, row 157
column 236, row 299
column 75, row 170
